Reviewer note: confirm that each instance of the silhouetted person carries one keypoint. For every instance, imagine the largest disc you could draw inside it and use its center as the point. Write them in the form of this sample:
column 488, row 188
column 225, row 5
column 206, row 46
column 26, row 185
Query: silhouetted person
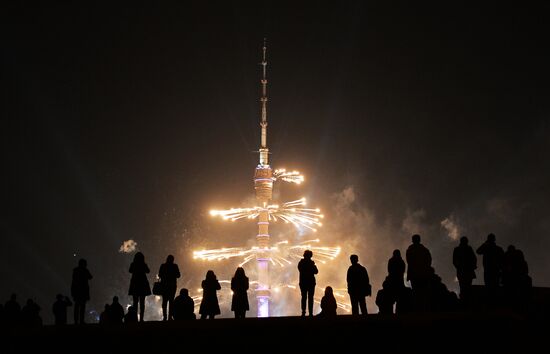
column 441, row 299
column 131, row 316
column 385, row 298
column 116, row 311
column 328, row 304
column 168, row 273
column 358, row 285
column 465, row 262
column 396, row 272
column 30, row 314
column 105, row 315
column 524, row 282
column 515, row 278
column 80, row 290
column 184, row 306
column 307, row 269
column 139, row 285
column 419, row 263
column 209, row 305
column 59, row 309
column 12, row 310
column 239, row 286
column 492, row 264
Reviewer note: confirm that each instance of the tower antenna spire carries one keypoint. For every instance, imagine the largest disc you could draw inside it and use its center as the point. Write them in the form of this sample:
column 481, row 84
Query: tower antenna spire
column 264, row 151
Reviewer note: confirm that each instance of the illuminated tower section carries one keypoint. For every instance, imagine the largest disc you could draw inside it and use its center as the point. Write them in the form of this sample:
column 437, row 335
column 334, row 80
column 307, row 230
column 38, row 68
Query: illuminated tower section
column 263, row 184
column 270, row 258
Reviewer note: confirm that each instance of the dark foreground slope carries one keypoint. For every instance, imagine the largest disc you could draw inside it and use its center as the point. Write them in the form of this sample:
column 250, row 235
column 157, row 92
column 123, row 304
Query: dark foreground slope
column 496, row 332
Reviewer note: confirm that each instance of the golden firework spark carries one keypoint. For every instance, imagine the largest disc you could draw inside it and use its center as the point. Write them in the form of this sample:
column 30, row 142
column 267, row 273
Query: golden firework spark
column 290, row 212
column 288, row 176
column 280, row 254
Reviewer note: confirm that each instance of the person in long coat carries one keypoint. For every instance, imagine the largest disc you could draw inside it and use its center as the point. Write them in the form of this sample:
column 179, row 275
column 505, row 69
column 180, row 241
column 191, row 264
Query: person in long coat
column 139, row 285
column 209, row 304
column 169, row 273
column 396, row 271
column 493, row 256
column 80, row 290
column 239, row 286
column 465, row 262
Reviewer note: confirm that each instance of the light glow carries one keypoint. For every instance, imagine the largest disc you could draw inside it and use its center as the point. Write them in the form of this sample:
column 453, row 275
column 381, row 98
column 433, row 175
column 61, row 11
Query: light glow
column 288, row 176
column 290, row 212
column 281, row 254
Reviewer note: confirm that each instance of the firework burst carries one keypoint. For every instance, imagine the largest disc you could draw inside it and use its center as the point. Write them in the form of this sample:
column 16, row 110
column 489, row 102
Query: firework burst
column 290, row 212
column 281, row 254
column 288, row 176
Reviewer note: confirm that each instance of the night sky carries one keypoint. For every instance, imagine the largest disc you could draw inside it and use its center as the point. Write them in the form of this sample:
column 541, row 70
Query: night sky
column 124, row 123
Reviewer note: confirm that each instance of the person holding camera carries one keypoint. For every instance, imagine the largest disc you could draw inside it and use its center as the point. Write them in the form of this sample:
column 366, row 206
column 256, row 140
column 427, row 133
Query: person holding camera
column 307, row 269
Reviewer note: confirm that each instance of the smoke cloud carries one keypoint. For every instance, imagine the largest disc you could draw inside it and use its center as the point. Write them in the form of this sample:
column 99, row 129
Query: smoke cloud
column 128, row 246
column 452, row 228
column 352, row 222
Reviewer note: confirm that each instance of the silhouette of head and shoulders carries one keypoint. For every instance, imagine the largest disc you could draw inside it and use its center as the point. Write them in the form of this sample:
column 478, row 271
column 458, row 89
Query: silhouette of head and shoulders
column 12, row 305
column 116, row 311
column 30, row 313
column 354, row 260
column 464, row 258
column 239, row 279
column 169, row 271
column 328, row 304
column 184, row 306
column 491, row 252
column 131, row 315
column 396, row 264
column 138, row 264
column 307, row 259
column 307, row 269
column 59, row 308
column 210, row 281
column 81, row 271
column 418, row 253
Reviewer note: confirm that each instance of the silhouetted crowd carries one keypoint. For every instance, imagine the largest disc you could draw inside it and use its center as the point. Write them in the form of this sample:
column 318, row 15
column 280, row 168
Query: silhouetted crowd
column 505, row 273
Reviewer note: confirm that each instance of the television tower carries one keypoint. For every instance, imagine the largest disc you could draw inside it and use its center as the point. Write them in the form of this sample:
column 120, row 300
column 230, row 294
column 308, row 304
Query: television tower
column 293, row 212
column 263, row 184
